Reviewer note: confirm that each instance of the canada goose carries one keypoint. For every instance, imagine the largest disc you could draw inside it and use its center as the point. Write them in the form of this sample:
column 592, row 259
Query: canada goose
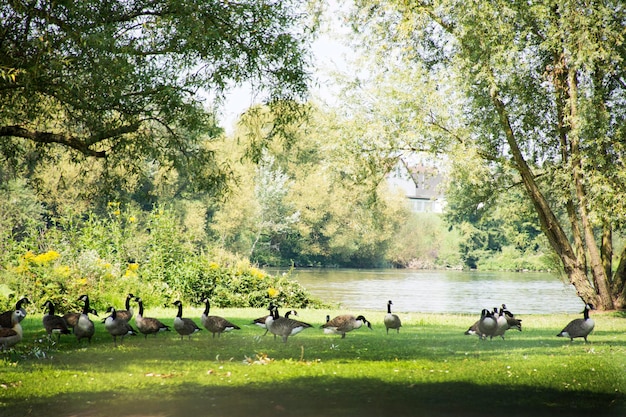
column 148, row 325
column 10, row 336
column 283, row 326
column 117, row 327
column 126, row 314
column 502, row 325
column 53, row 323
column 84, row 328
column 579, row 327
column 485, row 326
column 261, row 320
column 215, row 324
column 513, row 322
column 392, row 321
column 184, row 326
column 344, row 323
column 6, row 318
column 71, row 318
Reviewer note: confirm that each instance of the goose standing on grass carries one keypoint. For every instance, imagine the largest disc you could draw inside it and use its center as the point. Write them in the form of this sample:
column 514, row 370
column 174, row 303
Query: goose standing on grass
column 148, row 325
column 283, row 326
column 215, row 324
column 71, row 318
column 6, row 318
column 10, row 336
column 344, row 323
column 579, row 327
column 485, row 326
column 392, row 321
column 184, row 326
column 512, row 321
column 117, row 326
column 261, row 320
column 53, row 323
column 126, row 314
column 502, row 325
column 84, row 328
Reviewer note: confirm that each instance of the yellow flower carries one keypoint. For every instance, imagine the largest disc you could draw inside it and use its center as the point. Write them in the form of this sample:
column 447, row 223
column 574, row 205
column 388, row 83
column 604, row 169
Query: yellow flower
column 214, row 265
column 63, row 270
column 132, row 219
column 44, row 258
column 272, row 292
column 257, row 273
column 21, row 268
column 133, row 266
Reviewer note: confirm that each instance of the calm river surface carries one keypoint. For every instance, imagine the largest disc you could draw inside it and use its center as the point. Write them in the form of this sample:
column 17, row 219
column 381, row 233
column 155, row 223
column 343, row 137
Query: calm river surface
column 440, row 291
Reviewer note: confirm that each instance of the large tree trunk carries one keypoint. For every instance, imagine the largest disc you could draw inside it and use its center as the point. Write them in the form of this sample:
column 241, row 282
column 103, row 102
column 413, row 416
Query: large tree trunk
column 600, row 279
column 575, row 270
column 619, row 282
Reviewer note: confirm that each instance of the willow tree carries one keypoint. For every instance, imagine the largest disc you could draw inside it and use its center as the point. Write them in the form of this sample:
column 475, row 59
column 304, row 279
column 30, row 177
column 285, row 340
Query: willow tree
column 541, row 92
column 129, row 81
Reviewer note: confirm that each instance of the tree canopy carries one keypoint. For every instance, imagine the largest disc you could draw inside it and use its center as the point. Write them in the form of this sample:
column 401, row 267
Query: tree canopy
column 536, row 91
column 128, row 81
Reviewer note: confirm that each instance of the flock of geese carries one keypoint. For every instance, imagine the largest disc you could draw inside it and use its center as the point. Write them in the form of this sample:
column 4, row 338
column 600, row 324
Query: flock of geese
column 495, row 323
column 490, row 324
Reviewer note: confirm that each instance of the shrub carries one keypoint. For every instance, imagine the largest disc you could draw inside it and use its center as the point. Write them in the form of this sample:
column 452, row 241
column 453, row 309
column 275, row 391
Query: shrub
column 147, row 254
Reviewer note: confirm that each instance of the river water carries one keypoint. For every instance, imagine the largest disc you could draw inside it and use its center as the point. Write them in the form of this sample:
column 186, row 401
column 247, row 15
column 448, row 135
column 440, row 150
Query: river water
column 440, row 291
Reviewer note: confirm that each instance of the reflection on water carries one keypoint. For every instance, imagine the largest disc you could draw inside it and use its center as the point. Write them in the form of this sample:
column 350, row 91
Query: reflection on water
column 440, row 291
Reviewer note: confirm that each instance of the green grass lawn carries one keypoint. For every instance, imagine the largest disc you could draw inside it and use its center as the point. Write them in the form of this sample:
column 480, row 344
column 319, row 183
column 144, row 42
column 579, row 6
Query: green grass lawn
column 429, row 369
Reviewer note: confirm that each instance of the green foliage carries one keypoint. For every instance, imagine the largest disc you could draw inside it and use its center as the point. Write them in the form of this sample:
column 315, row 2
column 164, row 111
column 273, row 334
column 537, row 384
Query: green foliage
column 534, row 94
column 21, row 217
column 122, row 79
column 425, row 242
column 150, row 254
column 298, row 207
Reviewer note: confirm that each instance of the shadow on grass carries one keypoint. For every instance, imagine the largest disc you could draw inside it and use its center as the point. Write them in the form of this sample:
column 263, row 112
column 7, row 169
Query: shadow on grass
column 325, row 396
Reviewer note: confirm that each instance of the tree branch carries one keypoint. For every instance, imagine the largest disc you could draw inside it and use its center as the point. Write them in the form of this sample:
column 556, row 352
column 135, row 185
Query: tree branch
column 83, row 146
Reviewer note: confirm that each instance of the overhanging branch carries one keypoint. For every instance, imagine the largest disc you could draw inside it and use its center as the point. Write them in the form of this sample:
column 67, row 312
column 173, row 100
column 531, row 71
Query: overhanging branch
column 83, row 146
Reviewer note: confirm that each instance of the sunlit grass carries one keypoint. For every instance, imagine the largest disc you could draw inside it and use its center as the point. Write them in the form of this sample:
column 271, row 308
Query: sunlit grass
column 429, row 368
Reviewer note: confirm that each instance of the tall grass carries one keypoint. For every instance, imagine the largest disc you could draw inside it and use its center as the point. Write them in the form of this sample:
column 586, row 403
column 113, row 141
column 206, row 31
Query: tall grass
column 429, row 368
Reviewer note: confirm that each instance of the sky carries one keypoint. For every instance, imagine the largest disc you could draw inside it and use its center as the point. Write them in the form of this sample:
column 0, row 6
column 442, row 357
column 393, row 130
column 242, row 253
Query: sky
column 329, row 54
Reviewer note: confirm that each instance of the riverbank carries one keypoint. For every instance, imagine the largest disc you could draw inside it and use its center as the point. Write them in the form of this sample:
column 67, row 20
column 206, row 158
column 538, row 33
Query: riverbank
column 430, row 368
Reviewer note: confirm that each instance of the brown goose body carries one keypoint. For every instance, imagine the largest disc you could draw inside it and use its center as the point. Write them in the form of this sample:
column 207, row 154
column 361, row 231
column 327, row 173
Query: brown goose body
column 53, row 323
column 284, row 326
column 261, row 320
column 126, row 314
column 579, row 327
column 148, row 325
column 71, row 318
column 7, row 317
column 10, row 336
column 485, row 326
column 215, row 324
column 84, row 328
column 183, row 325
column 512, row 321
column 392, row 321
column 344, row 323
column 117, row 327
